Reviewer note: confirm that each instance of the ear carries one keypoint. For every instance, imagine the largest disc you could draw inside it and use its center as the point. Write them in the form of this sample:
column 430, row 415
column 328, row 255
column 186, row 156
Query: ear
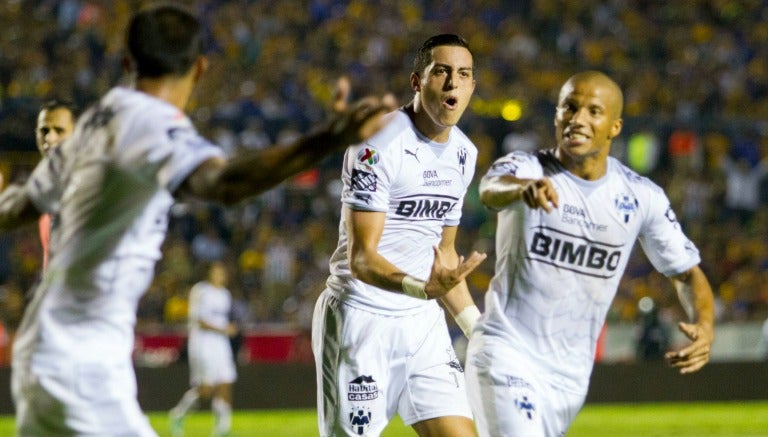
column 616, row 128
column 415, row 82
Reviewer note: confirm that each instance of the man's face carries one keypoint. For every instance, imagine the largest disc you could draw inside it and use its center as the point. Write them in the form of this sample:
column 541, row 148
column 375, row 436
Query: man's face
column 446, row 85
column 586, row 119
column 53, row 126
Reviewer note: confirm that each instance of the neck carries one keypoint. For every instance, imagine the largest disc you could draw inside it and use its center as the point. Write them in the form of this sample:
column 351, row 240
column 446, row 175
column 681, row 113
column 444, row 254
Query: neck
column 589, row 168
column 174, row 90
column 424, row 123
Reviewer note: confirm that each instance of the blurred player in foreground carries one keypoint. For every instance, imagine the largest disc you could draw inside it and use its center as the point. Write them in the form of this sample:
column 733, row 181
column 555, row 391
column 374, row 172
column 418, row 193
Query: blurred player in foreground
column 55, row 123
column 380, row 339
column 211, row 364
column 111, row 184
column 568, row 219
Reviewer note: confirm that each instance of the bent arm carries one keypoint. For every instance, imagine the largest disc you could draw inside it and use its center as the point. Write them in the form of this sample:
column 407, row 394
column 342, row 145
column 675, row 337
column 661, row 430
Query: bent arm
column 364, row 229
column 16, row 208
column 696, row 296
column 456, row 300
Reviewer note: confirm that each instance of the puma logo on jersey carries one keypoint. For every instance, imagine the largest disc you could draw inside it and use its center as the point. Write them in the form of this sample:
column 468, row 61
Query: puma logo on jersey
column 414, row 154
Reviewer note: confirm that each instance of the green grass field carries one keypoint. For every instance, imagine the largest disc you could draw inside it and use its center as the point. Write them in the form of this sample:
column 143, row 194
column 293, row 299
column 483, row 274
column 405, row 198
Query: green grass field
column 734, row 419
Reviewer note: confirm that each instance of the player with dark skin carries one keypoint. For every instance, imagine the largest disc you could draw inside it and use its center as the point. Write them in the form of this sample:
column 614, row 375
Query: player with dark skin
column 587, row 118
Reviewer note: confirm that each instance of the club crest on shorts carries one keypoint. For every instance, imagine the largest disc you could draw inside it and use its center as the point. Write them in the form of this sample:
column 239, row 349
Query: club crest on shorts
column 525, row 406
column 362, row 388
column 360, row 419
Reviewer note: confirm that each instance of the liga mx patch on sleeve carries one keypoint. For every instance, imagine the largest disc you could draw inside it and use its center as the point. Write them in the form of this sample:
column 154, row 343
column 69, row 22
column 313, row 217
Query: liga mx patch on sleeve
column 363, row 180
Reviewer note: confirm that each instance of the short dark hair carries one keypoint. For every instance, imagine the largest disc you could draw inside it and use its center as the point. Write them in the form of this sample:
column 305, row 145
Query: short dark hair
column 56, row 103
column 164, row 40
column 424, row 55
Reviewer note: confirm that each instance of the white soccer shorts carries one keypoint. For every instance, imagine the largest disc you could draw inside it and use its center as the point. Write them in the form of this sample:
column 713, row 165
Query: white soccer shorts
column 509, row 398
column 211, row 363
column 372, row 366
column 85, row 399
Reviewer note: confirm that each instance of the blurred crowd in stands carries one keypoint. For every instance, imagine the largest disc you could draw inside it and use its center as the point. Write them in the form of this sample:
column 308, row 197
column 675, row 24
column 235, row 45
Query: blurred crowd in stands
column 694, row 74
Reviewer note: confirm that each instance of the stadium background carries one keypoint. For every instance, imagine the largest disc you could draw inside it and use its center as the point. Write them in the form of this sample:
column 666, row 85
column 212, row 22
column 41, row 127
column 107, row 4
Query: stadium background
column 695, row 77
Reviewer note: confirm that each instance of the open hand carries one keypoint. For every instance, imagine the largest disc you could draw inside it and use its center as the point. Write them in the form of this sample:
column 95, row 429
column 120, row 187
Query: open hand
column 693, row 357
column 353, row 123
column 443, row 279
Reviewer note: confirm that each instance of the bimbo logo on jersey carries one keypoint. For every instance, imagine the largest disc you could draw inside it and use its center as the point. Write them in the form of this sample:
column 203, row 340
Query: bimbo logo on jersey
column 426, row 207
column 574, row 253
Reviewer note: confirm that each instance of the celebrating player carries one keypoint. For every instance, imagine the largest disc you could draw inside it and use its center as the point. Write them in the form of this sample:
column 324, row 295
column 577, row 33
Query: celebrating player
column 111, row 185
column 567, row 221
column 211, row 364
column 380, row 339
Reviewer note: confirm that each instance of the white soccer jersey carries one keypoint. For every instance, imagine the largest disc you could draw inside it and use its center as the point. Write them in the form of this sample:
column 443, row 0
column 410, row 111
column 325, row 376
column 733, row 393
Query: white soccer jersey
column 420, row 185
column 111, row 185
column 210, row 352
column 557, row 273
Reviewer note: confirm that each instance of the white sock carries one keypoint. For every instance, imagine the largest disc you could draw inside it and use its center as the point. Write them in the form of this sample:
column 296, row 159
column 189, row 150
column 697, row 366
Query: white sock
column 187, row 402
column 222, row 411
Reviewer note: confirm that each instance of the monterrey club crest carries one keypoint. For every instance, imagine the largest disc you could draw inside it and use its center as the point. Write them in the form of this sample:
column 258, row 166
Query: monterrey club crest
column 626, row 205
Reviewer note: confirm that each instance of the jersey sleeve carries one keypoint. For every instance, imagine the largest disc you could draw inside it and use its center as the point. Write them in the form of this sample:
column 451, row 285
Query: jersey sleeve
column 190, row 150
column 522, row 165
column 662, row 238
column 367, row 175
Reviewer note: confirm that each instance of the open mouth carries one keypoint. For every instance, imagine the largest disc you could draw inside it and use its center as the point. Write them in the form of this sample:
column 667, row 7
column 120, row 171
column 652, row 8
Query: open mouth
column 451, row 102
column 577, row 136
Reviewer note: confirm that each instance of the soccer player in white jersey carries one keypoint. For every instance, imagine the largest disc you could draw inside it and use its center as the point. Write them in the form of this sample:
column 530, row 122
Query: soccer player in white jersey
column 380, row 339
column 111, row 185
column 211, row 364
column 568, row 219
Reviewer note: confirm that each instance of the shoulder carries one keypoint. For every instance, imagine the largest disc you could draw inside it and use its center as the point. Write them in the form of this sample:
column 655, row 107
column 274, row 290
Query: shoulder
column 632, row 178
column 462, row 140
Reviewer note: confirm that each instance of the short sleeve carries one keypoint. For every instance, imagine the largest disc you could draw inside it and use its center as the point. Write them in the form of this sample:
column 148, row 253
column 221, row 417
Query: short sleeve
column 662, row 238
column 521, row 165
column 367, row 175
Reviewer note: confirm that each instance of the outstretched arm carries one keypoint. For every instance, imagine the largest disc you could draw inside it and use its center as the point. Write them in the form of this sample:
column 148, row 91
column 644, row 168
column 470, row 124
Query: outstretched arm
column 249, row 174
column 695, row 295
column 498, row 192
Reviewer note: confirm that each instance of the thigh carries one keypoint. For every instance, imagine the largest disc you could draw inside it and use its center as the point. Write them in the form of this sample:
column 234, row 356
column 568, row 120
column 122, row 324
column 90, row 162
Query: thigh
column 436, row 386
column 504, row 392
column 355, row 380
